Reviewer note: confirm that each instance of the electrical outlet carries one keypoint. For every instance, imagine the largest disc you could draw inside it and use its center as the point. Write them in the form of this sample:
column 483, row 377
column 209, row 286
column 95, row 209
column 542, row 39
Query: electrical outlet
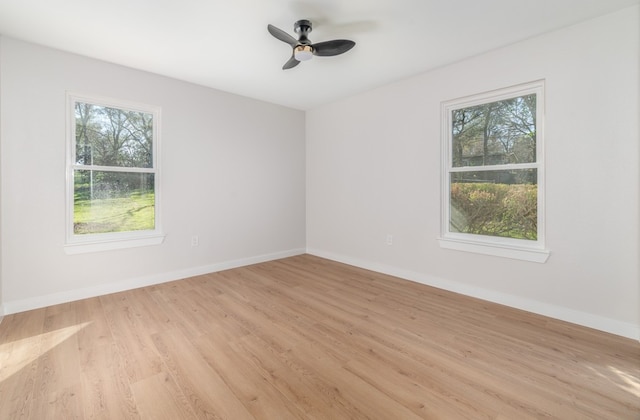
column 195, row 240
column 389, row 239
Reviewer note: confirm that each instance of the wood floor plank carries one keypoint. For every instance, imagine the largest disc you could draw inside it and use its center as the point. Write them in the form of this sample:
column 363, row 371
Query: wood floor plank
column 57, row 381
column 95, row 331
column 246, row 382
column 106, row 390
column 59, row 403
column 317, row 398
column 158, row 397
column 20, row 349
column 140, row 357
column 208, row 394
column 308, row 338
column 316, row 363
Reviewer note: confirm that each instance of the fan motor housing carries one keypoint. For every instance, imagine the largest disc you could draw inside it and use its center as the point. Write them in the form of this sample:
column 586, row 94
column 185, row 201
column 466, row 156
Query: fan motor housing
column 302, row 27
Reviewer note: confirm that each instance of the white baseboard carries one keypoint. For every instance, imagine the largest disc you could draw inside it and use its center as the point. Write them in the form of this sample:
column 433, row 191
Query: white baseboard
column 36, row 302
column 585, row 319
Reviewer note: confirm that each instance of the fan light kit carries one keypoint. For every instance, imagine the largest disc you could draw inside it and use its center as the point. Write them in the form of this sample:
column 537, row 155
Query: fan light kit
column 303, row 48
column 303, row 52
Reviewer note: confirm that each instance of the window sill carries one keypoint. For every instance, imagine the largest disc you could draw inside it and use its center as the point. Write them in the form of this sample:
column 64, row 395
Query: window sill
column 496, row 250
column 112, row 244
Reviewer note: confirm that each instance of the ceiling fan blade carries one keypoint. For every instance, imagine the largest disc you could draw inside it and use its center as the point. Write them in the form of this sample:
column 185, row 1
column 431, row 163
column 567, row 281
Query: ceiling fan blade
column 290, row 64
column 282, row 35
column 335, row 47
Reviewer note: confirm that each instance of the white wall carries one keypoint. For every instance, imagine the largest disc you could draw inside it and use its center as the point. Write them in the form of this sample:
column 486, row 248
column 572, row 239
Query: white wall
column 375, row 170
column 233, row 173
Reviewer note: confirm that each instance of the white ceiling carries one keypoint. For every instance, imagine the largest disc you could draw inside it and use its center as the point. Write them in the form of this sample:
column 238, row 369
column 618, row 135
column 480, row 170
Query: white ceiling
column 225, row 44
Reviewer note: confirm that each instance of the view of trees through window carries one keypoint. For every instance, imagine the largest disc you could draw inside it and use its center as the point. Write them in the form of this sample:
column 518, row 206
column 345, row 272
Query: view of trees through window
column 113, row 174
column 493, row 178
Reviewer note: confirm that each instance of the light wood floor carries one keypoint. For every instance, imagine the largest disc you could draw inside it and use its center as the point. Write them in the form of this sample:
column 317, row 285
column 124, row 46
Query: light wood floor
column 306, row 338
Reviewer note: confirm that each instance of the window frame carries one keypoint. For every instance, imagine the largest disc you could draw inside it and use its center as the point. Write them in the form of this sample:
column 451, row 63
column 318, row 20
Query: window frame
column 96, row 242
column 521, row 249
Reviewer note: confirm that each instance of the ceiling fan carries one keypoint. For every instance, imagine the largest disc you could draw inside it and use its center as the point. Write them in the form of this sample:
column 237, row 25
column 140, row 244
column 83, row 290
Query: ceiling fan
column 303, row 48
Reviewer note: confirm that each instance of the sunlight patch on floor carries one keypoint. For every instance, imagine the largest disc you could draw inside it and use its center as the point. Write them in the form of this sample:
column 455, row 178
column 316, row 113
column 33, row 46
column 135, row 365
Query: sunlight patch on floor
column 15, row 355
column 626, row 381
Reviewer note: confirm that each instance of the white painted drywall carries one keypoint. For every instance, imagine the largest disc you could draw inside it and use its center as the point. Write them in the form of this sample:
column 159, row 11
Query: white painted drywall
column 233, row 173
column 373, row 169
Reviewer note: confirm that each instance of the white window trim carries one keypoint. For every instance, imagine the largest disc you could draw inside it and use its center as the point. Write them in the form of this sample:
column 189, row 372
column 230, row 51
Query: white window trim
column 520, row 249
column 79, row 244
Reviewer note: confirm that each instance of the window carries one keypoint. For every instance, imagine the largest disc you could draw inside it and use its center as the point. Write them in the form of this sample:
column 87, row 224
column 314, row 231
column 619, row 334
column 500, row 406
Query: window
column 493, row 173
column 112, row 174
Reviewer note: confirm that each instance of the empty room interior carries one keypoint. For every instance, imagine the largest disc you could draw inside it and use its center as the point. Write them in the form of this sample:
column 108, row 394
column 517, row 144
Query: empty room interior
column 319, row 210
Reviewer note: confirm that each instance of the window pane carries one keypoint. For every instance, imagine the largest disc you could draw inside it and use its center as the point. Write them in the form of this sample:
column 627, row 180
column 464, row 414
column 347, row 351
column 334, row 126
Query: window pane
column 495, row 203
column 113, row 137
column 106, row 202
column 495, row 133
